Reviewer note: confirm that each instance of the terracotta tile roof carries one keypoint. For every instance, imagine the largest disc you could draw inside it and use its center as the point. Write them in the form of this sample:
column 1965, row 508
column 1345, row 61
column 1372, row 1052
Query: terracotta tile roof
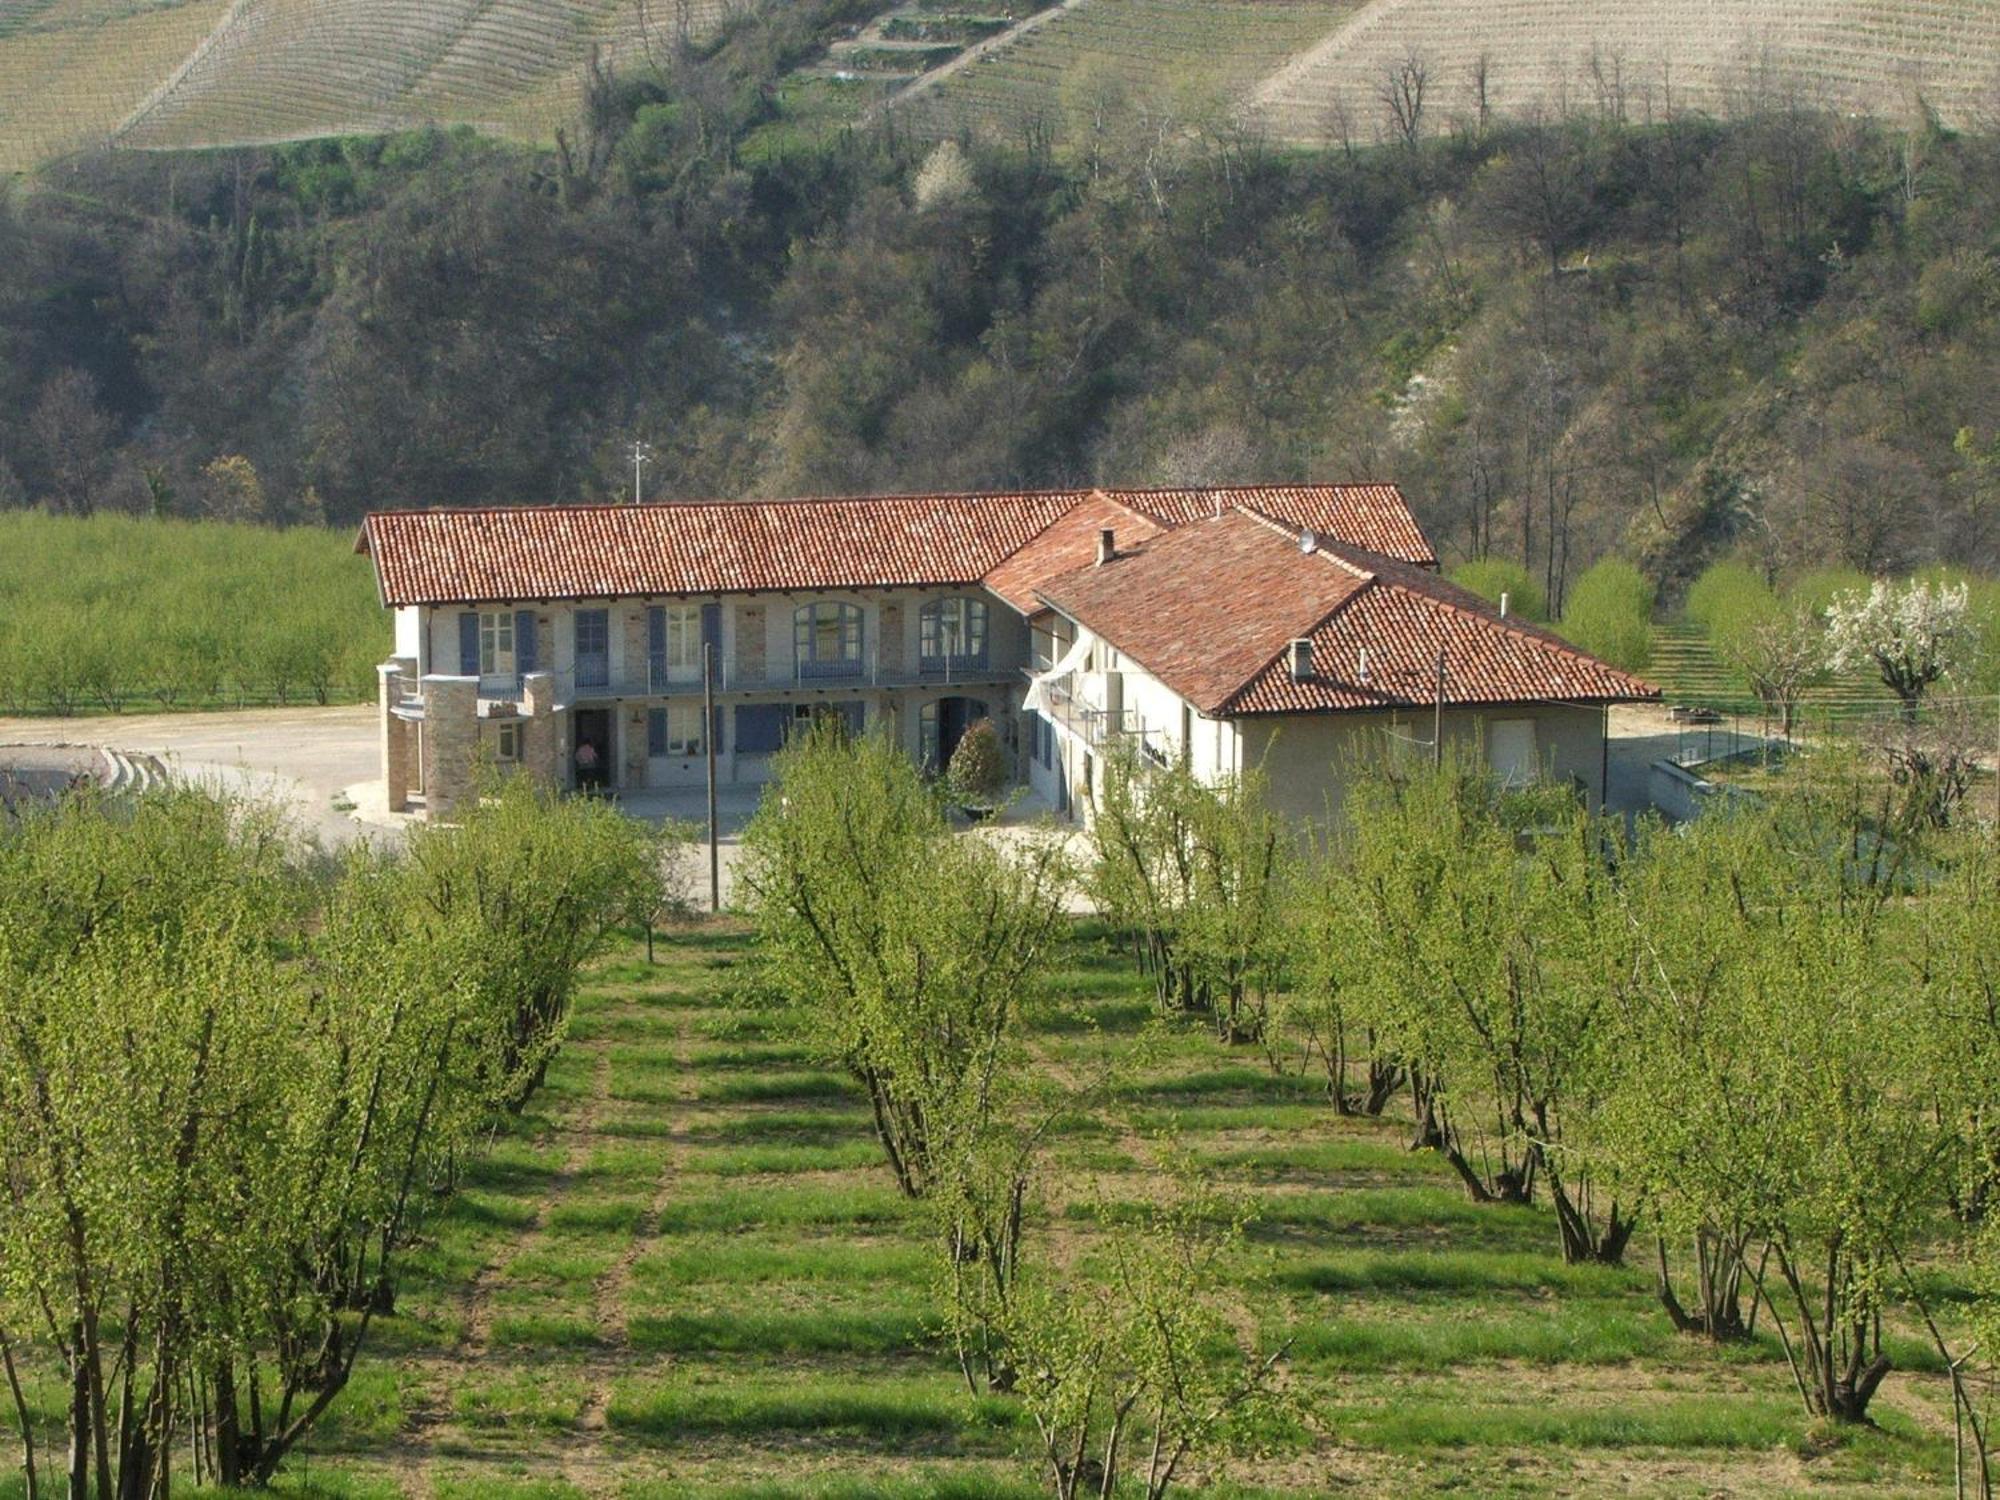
column 1205, row 608
column 556, row 552
column 1070, row 543
column 596, row 551
column 1375, row 516
column 1211, row 610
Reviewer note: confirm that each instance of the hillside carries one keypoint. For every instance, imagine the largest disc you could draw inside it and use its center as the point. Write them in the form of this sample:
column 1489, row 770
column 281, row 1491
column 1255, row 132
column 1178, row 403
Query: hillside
column 186, row 73
column 1294, row 68
column 1852, row 55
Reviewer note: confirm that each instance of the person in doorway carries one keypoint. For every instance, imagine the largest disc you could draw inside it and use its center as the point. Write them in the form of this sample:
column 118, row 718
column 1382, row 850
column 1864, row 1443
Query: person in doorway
column 586, row 761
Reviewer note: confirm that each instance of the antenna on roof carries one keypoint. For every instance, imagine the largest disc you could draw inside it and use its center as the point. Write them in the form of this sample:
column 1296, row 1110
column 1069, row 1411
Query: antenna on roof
column 1308, row 542
column 642, row 454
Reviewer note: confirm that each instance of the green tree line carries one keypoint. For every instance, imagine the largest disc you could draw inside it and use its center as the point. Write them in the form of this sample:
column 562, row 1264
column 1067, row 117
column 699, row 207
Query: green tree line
column 111, row 613
column 1568, row 335
column 237, row 1076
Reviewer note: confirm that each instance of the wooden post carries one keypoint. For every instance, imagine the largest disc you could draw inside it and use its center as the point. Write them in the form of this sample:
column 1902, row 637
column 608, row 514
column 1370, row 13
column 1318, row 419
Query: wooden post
column 708, row 740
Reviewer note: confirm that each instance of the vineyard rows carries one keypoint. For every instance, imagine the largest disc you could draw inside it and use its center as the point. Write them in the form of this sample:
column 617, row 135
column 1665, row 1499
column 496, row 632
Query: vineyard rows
column 187, row 73
column 1864, row 55
column 71, row 70
column 1188, row 57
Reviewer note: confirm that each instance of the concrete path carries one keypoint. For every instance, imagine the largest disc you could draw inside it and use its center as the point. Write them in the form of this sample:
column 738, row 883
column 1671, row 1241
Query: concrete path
column 304, row 758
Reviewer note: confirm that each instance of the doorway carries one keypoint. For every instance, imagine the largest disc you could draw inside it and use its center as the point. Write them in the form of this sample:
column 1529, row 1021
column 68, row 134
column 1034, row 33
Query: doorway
column 592, row 755
column 943, row 725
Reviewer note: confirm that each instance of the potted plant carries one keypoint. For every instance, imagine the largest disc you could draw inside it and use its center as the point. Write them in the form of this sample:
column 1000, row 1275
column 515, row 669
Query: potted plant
column 977, row 775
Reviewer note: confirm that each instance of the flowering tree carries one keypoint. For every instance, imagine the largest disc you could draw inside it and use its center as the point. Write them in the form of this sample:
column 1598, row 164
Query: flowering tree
column 1913, row 633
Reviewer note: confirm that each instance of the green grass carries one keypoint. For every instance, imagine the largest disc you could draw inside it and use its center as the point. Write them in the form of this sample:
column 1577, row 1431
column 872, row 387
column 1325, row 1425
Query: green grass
column 773, row 1329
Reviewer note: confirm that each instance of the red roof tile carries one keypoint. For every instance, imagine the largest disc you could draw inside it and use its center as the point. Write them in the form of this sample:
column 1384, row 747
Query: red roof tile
column 1212, row 609
column 1205, row 608
column 1375, row 516
column 1069, row 544
column 556, row 552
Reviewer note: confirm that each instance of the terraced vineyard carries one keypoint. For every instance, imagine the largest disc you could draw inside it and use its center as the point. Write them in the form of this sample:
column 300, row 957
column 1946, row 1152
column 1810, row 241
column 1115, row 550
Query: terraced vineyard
column 71, row 70
column 1865, row 55
column 1185, row 56
column 286, row 69
column 189, row 73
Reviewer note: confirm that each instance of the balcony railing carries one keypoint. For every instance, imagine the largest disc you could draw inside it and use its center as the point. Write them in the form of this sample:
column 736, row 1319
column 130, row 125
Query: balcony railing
column 1098, row 727
column 656, row 681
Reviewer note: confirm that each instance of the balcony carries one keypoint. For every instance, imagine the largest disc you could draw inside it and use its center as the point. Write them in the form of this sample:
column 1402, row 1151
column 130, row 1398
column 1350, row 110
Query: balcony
column 1098, row 729
column 654, row 681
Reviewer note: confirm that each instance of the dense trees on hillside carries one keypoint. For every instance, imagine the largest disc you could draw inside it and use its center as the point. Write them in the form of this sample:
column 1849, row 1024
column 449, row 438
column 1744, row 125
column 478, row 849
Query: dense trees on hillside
column 1670, row 335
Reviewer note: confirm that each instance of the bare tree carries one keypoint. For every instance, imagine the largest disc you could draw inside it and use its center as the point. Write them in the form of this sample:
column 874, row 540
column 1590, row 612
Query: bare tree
column 1402, row 92
column 71, row 433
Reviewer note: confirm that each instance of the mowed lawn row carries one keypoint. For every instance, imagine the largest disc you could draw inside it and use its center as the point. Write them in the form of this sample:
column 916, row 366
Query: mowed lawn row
column 685, row 1271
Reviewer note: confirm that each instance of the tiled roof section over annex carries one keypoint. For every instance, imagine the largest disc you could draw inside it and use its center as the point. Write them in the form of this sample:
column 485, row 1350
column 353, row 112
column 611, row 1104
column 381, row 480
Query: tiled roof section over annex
column 1404, row 618
column 1211, row 610
column 1374, row 516
column 597, row 551
column 1206, row 607
column 494, row 555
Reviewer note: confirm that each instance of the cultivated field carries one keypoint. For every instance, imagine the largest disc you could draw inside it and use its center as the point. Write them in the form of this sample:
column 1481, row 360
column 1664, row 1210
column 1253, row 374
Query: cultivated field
column 685, row 1271
column 1868, row 55
column 72, row 70
column 1187, row 58
column 182, row 73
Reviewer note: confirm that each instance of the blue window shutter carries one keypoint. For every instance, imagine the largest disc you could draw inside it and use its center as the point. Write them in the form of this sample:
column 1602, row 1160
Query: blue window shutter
column 715, row 729
column 760, row 727
column 524, row 640
column 656, row 731
column 711, row 629
column 468, row 643
column 656, row 636
column 856, row 715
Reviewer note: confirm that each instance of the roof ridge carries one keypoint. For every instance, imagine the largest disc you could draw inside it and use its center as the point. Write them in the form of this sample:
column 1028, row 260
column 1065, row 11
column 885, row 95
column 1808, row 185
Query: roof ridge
column 1074, row 495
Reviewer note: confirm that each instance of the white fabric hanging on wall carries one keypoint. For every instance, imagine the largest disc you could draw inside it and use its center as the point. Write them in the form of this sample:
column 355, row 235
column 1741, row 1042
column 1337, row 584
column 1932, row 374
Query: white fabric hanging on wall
column 1037, row 699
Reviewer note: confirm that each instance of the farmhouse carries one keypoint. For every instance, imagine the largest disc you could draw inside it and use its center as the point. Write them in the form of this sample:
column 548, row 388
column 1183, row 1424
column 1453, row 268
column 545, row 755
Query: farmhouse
column 1290, row 627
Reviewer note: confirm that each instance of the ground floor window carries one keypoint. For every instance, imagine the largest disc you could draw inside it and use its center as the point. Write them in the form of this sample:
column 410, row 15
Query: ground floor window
column 509, row 747
column 674, row 730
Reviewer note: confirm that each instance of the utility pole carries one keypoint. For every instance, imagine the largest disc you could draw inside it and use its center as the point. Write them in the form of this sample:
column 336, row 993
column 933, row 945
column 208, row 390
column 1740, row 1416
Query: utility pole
column 708, row 739
column 1437, row 718
column 642, row 454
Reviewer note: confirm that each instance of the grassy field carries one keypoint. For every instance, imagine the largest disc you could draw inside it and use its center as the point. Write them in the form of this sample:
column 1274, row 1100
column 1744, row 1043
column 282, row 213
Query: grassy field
column 685, row 1272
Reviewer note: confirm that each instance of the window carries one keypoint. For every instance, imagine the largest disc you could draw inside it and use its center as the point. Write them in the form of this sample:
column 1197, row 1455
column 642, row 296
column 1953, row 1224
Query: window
column 952, row 633
column 593, row 647
column 674, row 640
column 674, row 730
column 510, row 744
column 849, row 718
column 496, row 643
column 826, row 640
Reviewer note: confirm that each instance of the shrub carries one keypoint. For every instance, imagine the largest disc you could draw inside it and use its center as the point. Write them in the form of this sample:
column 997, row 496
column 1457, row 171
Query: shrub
column 1610, row 614
column 1491, row 577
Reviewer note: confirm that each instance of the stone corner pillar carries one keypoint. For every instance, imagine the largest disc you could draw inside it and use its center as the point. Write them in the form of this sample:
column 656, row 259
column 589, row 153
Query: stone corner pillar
column 451, row 743
column 389, row 678
column 541, row 728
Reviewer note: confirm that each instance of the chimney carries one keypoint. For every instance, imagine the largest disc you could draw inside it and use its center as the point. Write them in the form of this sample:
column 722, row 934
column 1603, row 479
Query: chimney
column 1505, row 599
column 1302, row 660
column 1107, row 546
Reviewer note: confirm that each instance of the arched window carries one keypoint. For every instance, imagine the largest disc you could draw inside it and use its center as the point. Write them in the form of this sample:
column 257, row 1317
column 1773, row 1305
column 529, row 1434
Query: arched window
column 826, row 640
column 951, row 635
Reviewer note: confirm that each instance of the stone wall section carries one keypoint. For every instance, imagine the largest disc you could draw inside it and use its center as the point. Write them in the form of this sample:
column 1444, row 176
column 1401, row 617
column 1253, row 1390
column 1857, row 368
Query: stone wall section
column 750, row 643
column 451, row 743
column 889, row 639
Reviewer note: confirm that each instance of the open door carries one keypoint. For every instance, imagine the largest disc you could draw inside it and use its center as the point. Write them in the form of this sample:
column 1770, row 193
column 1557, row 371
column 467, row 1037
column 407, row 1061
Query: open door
column 590, row 756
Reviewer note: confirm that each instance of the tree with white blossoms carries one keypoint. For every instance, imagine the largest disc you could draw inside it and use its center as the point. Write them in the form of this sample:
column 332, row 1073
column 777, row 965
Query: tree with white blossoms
column 1913, row 633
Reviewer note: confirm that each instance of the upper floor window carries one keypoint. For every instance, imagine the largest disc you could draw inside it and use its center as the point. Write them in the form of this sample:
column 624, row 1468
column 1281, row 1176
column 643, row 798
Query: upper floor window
column 496, row 643
column 593, row 647
column 826, row 640
column 674, row 640
column 952, row 632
